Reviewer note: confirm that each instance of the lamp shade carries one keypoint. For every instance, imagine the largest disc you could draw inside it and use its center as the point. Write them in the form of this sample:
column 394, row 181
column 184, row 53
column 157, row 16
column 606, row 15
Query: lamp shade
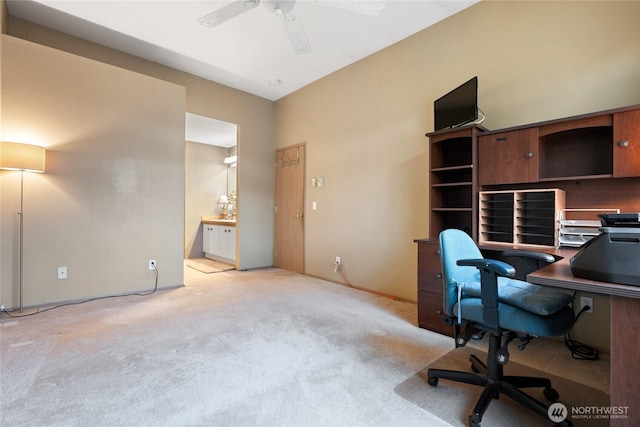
column 21, row 157
column 230, row 159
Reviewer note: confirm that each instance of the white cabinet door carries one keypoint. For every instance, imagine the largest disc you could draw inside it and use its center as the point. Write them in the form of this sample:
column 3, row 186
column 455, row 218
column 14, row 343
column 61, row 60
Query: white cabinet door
column 219, row 241
column 209, row 238
column 229, row 237
column 206, row 238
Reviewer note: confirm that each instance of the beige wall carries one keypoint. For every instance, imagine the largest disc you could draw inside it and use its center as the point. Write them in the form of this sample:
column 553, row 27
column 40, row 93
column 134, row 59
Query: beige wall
column 253, row 115
column 111, row 198
column 364, row 125
column 205, row 181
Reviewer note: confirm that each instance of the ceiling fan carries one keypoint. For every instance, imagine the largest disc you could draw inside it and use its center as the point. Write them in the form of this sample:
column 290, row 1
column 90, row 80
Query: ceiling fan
column 283, row 9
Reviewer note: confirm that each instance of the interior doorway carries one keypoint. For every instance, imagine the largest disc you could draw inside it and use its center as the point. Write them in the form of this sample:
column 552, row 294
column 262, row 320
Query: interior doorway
column 288, row 251
column 209, row 174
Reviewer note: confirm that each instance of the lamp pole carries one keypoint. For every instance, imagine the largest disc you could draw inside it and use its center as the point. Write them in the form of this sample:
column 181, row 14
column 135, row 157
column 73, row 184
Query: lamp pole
column 21, row 214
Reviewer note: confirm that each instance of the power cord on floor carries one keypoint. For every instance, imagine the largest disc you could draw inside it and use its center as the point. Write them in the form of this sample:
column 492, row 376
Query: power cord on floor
column 578, row 350
column 337, row 268
column 39, row 310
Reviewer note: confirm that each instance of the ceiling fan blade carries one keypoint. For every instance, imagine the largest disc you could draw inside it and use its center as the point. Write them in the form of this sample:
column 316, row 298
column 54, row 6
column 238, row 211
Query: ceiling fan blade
column 296, row 33
column 227, row 12
column 365, row 7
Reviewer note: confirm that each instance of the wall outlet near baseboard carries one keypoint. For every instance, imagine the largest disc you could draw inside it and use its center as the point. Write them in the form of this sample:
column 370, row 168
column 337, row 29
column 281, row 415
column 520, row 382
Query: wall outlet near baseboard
column 62, row 273
column 584, row 301
column 152, row 264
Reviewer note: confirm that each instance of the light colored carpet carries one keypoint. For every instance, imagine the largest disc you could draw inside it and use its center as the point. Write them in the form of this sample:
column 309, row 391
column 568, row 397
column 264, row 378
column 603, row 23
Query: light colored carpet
column 208, row 266
column 454, row 401
column 262, row 347
column 256, row 348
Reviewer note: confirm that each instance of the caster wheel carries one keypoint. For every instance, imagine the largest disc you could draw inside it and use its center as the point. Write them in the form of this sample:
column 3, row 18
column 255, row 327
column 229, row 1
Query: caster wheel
column 551, row 394
column 433, row 381
column 502, row 356
column 474, row 420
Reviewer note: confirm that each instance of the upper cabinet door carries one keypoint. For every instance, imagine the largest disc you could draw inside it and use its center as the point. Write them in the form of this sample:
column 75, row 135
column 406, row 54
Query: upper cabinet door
column 626, row 144
column 509, row 157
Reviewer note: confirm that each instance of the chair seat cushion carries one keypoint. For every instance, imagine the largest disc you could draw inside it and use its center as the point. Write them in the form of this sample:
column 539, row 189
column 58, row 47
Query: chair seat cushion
column 536, row 299
column 514, row 319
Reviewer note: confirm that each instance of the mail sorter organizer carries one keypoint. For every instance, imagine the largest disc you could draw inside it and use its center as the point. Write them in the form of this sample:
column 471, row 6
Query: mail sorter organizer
column 520, row 218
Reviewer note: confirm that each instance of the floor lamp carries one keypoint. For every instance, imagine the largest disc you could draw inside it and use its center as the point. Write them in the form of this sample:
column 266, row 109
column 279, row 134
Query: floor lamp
column 23, row 158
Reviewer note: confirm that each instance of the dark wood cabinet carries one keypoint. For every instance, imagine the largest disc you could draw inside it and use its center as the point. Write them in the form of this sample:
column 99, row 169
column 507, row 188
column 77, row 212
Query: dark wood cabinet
column 508, row 157
column 592, row 146
column 430, row 288
column 453, row 203
column 626, row 144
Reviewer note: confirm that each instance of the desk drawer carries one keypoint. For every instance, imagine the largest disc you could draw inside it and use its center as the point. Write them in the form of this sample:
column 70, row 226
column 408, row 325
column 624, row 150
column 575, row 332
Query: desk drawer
column 430, row 313
column 429, row 268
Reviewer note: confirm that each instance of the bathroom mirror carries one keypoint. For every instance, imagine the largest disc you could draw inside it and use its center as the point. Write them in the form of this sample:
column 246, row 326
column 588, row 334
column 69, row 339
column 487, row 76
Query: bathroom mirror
column 232, row 162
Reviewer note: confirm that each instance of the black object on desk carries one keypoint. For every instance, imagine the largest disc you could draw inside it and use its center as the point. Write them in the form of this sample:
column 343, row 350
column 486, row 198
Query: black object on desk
column 620, row 220
column 614, row 255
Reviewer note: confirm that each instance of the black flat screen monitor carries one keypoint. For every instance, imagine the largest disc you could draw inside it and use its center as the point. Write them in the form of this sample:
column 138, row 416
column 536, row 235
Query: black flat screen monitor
column 458, row 107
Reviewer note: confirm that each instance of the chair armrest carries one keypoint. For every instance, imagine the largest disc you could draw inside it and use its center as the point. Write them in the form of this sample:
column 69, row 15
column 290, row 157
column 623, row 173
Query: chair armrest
column 539, row 256
column 499, row 267
column 489, row 269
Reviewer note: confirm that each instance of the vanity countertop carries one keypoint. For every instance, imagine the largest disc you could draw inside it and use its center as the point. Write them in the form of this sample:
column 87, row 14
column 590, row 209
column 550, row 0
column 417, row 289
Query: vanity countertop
column 216, row 220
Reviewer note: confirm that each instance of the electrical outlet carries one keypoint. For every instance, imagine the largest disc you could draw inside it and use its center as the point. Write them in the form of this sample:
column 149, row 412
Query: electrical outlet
column 584, row 301
column 337, row 260
column 152, row 264
column 62, row 273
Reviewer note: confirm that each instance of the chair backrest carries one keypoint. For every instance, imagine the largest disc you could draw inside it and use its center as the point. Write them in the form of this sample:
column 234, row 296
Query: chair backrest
column 456, row 245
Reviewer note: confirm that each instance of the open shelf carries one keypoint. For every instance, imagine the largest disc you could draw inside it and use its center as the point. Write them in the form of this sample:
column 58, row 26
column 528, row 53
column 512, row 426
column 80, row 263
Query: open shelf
column 577, row 152
column 453, row 180
column 450, row 152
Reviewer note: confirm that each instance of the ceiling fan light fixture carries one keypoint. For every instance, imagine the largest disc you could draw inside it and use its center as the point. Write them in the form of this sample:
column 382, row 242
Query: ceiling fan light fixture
column 279, row 7
column 283, row 10
column 227, row 12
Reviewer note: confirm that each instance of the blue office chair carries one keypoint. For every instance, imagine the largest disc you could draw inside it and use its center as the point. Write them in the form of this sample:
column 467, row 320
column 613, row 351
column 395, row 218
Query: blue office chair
column 481, row 296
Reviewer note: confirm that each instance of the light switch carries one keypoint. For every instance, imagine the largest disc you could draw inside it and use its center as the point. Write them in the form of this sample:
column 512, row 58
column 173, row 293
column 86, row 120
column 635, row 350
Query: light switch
column 320, row 182
column 314, row 206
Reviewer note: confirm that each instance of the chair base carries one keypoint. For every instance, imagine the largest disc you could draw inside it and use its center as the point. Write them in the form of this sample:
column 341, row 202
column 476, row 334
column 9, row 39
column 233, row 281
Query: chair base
column 490, row 376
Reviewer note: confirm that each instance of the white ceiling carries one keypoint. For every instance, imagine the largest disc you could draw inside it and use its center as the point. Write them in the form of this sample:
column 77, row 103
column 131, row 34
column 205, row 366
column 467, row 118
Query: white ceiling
column 210, row 131
column 247, row 51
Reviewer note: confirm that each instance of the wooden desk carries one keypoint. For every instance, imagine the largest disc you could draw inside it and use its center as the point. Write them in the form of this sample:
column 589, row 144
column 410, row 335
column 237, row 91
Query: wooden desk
column 625, row 332
column 559, row 275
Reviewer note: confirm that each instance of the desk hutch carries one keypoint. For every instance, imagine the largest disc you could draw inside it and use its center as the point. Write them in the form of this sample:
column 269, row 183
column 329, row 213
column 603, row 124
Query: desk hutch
column 591, row 161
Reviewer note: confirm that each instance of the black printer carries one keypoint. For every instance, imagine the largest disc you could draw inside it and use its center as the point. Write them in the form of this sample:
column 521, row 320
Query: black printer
column 614, row 255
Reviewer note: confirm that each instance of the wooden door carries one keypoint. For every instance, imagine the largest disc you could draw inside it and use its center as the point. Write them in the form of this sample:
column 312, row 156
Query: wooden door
column 626, row 139
column 288, row 251
column 508, row 157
